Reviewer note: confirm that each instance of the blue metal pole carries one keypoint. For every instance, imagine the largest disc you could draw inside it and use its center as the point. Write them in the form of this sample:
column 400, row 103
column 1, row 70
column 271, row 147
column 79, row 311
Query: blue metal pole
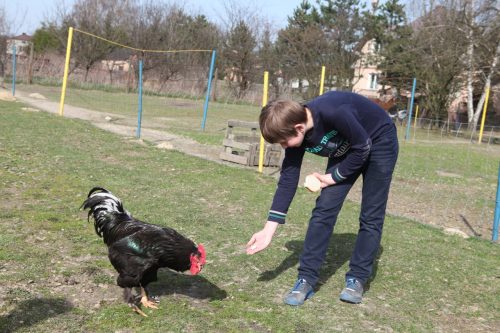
column 14, row 69
column 209, row 88
column 139, row 111
column 496, row 220
column 408, row 120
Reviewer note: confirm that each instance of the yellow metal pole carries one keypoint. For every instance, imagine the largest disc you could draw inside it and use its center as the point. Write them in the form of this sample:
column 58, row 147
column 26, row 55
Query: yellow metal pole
column 415, row 123
column 484, row 115
column 322, row 82
column 66, row 70
column 264, row 102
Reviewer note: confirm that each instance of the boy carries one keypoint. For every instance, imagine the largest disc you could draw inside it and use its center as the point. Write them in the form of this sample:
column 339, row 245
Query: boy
column 358, row 138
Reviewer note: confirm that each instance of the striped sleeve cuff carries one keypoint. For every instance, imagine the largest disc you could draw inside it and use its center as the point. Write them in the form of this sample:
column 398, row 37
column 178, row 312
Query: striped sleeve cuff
column 276, row 216
column 337, row 177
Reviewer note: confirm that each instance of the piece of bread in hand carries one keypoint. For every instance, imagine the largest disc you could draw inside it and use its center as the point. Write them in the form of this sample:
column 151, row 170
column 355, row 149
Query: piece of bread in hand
column 312, row 183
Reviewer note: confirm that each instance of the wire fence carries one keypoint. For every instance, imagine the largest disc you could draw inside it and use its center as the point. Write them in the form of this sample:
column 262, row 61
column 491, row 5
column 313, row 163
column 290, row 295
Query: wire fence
column 427, row 128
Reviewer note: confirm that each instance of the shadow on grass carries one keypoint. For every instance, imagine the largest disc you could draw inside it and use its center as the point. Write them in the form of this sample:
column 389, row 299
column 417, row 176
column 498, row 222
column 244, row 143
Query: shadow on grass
column 29, row 312
column 338, row 253
column 192, row 286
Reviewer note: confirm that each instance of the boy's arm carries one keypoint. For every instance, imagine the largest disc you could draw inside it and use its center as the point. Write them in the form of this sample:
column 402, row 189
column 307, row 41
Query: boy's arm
column 287, row 184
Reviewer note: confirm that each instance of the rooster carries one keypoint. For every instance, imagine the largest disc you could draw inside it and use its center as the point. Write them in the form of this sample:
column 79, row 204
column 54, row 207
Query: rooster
column 137, row 249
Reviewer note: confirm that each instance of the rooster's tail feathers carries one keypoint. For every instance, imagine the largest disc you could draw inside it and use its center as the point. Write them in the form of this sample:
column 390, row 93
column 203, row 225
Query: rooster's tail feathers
column 97, row 188
column 103, row 206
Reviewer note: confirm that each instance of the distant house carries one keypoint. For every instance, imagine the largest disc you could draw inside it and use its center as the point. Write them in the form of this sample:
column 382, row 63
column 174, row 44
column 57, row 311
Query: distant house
column 366, row 73
column 22, row 44
column 118, row 60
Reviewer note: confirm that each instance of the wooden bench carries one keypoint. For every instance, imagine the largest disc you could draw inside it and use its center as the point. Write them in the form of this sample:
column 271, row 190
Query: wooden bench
column 242, row 145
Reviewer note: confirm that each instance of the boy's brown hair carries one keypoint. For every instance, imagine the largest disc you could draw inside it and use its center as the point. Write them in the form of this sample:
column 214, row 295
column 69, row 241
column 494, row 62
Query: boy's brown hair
column 278, row 118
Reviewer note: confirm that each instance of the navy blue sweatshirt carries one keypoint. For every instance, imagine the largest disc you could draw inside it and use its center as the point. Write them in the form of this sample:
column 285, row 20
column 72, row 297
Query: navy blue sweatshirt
column 345, row 123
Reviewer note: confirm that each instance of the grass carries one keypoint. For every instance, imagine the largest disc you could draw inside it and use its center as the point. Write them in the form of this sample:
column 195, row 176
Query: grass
column 55, row 276
column 439, row 180
column 451, row 180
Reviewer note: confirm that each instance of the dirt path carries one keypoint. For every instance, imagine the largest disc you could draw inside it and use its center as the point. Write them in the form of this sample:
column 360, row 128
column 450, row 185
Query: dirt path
column 105, row 121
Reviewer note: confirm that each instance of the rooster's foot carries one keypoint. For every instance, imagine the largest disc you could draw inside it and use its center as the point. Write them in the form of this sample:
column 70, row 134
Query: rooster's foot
column 148, row 303
column 136, row 309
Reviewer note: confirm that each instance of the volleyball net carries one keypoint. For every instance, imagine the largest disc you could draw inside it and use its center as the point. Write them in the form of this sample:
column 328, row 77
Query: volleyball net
column 123, row 81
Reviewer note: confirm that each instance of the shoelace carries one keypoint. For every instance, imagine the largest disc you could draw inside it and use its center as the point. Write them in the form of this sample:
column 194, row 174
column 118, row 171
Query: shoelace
column 299, row 286
column 352, row 284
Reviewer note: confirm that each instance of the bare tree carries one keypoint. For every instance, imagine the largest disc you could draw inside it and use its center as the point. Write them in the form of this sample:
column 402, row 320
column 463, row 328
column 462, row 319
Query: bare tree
column 242, row 31
column 102, row 18
column 3, row 42
column 8, row 26
column 460, row 39
column 269, row 59
column 165, row 32
column 482, row 28
column 492, row 72
column 469, row 26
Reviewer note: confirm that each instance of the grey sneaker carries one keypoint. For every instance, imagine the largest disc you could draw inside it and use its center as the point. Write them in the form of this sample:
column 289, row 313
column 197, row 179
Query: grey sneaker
column 300, row 292
column 353, row 291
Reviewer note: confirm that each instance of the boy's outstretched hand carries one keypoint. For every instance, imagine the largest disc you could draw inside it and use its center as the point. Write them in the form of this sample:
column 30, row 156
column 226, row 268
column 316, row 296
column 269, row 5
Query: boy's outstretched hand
column 260, row 240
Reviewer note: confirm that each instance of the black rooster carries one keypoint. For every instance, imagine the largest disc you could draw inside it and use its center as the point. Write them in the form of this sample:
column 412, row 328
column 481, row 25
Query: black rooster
column 137, row 249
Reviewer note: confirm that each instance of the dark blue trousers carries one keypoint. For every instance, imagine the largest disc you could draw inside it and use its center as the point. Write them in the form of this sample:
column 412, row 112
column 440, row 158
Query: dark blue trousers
column 377, row 176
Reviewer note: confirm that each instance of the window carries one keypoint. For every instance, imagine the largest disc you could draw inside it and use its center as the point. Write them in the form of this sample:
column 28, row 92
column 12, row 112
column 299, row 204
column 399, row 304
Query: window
column 373, row 81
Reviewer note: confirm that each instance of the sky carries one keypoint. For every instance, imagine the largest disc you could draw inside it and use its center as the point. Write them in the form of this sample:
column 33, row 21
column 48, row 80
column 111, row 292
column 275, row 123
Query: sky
column 27, row 15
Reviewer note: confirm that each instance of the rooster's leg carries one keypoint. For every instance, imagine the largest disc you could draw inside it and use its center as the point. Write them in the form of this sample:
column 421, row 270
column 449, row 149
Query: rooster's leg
column 146, row 301
column 129, row 298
